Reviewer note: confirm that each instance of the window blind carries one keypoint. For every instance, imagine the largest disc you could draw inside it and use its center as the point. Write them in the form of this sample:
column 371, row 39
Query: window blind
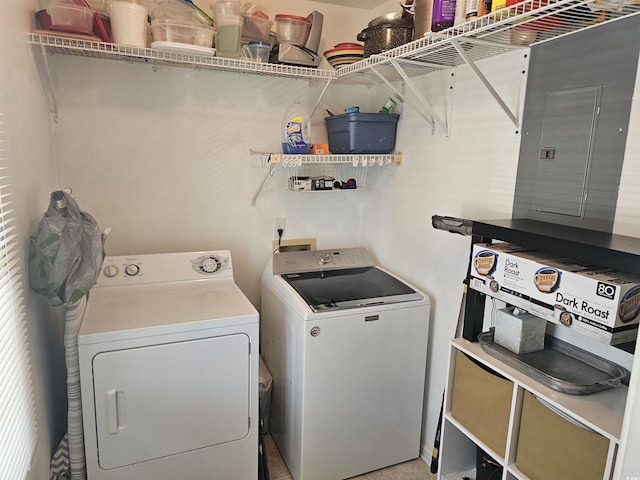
column 17, row 413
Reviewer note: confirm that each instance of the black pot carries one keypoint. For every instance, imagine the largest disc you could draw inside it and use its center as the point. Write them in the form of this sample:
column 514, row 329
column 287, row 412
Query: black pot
column 384, row 37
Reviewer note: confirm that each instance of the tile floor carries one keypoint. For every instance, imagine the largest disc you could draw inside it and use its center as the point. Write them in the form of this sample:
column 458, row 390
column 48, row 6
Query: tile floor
column 413, row 470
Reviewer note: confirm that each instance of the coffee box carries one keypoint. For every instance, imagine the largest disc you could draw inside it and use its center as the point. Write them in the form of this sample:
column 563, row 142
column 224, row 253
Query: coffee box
column 598, row 302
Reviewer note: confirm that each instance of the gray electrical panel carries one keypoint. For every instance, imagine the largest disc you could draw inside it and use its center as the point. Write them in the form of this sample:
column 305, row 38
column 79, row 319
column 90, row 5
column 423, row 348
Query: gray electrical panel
column 568, row 127
column 574, row 129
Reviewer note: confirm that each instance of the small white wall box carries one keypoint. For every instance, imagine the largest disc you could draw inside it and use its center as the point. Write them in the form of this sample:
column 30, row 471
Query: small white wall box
column 521, row 332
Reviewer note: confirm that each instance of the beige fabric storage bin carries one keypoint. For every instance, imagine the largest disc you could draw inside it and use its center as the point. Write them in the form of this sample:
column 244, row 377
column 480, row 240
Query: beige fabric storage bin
column 481, row 401
column 550, row 446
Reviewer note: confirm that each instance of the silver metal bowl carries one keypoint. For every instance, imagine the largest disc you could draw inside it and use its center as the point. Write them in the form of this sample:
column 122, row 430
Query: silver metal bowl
column 393, row 18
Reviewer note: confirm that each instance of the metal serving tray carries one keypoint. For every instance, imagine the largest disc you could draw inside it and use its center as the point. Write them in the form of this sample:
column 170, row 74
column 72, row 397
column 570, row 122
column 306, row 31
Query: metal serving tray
column 560, row 366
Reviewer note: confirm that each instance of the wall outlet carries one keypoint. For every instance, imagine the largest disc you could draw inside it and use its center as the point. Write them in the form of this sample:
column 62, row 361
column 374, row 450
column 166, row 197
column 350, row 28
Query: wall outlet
column 279, row 226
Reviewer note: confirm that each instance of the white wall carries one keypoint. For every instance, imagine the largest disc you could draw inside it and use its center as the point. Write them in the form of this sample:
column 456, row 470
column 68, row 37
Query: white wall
column 465, row 175
column 162, row 156
column 27, row 121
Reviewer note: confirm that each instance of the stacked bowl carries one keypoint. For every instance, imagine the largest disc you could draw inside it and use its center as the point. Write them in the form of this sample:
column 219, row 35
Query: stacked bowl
column 344, row 53
column 256, row 25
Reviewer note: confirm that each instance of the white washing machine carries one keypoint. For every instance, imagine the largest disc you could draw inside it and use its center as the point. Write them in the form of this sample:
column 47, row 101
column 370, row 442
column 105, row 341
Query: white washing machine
column 168, row 352
column 346, row 344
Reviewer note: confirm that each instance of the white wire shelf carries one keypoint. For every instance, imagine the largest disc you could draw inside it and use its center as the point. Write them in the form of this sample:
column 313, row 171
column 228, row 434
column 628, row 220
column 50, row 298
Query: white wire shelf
column 85, row 48
column 355, row 160
column 340, row 167
column 488, row 36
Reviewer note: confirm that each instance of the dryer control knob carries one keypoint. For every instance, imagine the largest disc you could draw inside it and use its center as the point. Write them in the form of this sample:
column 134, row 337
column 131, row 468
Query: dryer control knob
column 210, row 264
column 110, row 271
column 132, row 270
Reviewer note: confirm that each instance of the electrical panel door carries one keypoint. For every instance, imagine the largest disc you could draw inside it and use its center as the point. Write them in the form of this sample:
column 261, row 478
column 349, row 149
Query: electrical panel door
column 566, row 149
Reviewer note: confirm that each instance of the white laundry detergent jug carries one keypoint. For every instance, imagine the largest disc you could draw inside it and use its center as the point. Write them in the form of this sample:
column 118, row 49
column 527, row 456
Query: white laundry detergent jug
column 296, row 130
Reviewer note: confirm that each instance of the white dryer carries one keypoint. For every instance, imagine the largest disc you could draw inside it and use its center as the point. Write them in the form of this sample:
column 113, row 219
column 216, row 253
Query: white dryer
column 346, row 344
column 168, row 352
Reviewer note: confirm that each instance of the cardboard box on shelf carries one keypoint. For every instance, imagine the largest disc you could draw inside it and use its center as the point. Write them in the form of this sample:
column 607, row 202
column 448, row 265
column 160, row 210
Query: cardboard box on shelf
column 601, row 303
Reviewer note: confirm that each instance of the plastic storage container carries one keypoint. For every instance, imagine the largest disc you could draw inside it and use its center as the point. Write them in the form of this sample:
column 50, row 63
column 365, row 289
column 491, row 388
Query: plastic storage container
column 174, row 10
column 362, row 132
column 226, row 8
column 70, row 15
column 256, row 27
column 165, row 30
column 129, row 23
column 292, row 29
column 44, row 23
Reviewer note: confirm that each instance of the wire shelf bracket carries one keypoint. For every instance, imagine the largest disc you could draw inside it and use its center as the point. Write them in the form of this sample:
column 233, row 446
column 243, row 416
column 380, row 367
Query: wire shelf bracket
column 514, row 116
column 47, row 82
column 435, row 120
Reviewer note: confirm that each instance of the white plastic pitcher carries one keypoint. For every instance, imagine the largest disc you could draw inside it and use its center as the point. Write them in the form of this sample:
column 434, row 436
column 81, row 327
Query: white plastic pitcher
column 129, row 23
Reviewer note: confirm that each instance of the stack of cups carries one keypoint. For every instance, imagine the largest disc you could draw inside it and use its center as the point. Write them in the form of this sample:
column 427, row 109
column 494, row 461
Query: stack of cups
column 228, row 22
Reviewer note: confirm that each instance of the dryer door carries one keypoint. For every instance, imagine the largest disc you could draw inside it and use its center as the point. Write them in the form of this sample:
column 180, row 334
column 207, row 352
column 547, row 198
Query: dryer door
column 160, row 400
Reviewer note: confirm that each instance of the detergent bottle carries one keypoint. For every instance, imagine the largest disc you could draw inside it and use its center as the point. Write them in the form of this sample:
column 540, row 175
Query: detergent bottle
column 296, row 130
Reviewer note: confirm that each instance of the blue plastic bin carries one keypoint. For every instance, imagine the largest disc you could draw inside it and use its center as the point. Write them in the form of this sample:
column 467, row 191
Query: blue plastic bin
column 362, row 132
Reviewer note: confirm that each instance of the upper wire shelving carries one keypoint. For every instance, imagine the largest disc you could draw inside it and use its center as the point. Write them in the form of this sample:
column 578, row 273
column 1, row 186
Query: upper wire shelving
column 483, row 37
column 465, row 44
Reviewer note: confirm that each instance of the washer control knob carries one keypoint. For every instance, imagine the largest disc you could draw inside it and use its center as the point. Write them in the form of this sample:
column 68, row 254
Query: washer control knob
column 132, row 270
column 325, row 258
column 110, row 271
column 210, row 264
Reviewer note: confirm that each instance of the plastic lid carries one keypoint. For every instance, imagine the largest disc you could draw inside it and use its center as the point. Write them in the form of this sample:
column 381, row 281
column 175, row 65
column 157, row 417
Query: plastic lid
column 70, row 6
column 257, row 42
column 282, row 16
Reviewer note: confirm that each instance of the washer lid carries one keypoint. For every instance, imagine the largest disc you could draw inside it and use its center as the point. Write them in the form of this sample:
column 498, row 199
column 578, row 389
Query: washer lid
column 350, row 288
column 133, row 311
